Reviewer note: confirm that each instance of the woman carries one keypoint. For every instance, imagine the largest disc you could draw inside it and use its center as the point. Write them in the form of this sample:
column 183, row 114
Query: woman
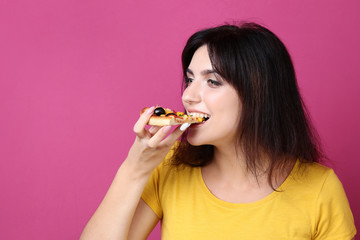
column 249, row 172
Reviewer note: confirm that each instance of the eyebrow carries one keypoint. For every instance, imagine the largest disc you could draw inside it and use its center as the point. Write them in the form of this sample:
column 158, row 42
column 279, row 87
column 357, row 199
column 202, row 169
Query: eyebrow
column 204, row 72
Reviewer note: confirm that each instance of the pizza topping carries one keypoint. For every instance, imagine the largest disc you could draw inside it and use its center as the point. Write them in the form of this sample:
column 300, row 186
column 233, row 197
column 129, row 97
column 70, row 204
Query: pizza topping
column 159, row 111
column 171, row 114
column 168, row 110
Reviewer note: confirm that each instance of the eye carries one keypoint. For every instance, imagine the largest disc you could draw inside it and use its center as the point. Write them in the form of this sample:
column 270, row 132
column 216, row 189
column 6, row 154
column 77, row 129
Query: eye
column 214, row 83
column 188, row 81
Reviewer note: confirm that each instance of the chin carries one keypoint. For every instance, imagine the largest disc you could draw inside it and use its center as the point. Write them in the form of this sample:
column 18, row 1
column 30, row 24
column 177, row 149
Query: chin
column 197, row 140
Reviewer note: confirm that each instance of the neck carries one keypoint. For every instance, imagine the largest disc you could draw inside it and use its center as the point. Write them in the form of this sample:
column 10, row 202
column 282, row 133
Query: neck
column 228, row 179
column 230, row 163
column 229, row 157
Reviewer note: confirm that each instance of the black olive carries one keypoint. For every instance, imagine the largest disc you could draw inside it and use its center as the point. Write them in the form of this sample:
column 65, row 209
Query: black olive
column 171, row 114
column 159, row 111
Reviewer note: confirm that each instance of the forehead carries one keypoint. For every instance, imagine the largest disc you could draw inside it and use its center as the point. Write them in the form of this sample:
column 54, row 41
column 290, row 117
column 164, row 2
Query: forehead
column 200, row 60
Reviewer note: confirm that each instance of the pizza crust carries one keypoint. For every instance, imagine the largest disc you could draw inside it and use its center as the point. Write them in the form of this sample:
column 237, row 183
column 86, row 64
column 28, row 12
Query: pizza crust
column 164, row 121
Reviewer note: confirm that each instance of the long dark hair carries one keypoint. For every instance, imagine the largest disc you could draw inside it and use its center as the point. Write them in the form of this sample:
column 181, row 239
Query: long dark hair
column 274, row 120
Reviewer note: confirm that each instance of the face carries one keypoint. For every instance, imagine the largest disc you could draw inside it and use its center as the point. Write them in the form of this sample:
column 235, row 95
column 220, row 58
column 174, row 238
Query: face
column 207, row 93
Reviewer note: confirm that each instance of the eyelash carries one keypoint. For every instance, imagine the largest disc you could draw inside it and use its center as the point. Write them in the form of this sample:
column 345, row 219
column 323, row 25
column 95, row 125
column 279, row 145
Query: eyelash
column 188, row 81
column 211, row 82
column 214, row 83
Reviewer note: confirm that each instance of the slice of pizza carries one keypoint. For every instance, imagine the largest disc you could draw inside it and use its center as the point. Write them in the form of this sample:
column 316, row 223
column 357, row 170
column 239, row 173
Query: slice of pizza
column 166, row 116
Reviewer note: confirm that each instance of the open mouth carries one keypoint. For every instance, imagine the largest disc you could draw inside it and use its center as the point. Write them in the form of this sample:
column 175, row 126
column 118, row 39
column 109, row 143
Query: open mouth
column 203, row 116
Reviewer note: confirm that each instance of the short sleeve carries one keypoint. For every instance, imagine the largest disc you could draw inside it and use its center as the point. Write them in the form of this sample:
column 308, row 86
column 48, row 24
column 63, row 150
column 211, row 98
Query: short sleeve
column 334, row 219
column 151, row 192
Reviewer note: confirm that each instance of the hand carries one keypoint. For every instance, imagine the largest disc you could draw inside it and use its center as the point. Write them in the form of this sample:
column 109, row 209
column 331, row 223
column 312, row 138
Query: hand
column 151, row 146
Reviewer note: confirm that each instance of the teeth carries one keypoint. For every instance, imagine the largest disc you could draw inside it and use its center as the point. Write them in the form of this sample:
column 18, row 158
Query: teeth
column 200, row 115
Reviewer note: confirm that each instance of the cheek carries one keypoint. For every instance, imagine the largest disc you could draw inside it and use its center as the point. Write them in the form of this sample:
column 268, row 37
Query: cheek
column 230, row 110
column 237, row 109
column 227, row 104
column 228, row 124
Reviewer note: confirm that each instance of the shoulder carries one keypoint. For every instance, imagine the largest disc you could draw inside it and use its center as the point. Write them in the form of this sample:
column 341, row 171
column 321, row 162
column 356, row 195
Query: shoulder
column 312, row 181
column 317, row 188
column 312, row 174
column 333, row 213
column 316, row 182
column 314, row 169
column 326, row 181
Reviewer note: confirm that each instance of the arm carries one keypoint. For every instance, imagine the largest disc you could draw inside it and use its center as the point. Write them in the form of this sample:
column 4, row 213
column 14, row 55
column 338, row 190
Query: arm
column 143, row 222
column 114, row 216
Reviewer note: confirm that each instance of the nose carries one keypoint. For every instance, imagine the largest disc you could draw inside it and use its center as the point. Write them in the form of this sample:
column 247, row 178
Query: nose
column 192, row 94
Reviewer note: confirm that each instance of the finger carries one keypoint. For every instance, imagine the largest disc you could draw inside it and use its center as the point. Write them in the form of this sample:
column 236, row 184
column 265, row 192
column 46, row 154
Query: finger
column 159, row 136
column 139, row 127
column 170, row 140
column 154, row 129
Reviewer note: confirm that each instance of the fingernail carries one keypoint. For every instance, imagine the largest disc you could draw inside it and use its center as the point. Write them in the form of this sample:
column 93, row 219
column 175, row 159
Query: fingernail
column 184, row 126
column 166, row 129
column 150, row 110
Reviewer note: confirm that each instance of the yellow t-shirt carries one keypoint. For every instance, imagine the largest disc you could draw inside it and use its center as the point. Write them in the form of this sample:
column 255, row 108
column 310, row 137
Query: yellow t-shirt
column 311, row 205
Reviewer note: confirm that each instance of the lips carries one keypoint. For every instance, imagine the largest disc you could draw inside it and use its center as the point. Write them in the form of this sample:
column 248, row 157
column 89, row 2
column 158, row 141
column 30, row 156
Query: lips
column 197, row 125
column 198, row 114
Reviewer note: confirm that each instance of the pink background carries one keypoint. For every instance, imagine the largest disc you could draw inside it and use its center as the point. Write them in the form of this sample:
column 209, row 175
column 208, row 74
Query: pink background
column 75, row 74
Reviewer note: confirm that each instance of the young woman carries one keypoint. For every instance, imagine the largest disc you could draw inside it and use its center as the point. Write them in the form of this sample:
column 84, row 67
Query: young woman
column 250, row 171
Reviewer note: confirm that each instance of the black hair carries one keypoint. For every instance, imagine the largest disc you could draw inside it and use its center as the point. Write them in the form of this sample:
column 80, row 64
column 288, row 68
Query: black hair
column 274, row 120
